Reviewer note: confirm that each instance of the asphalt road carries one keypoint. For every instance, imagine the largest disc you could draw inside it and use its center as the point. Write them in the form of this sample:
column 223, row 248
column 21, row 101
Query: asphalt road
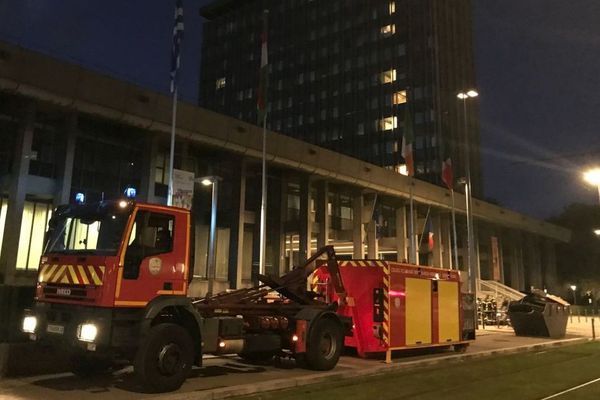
column 222, row 373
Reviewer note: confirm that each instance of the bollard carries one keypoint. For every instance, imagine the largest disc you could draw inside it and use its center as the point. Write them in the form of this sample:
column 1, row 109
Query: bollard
column 593, row 329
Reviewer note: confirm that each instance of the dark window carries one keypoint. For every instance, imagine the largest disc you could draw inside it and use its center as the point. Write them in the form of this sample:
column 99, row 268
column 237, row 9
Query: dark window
column 152, row 234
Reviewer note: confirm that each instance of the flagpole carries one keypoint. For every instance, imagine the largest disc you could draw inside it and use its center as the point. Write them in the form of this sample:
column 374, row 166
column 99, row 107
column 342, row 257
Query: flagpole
column 263, row 202
column 175, row 63
column 454, row 231
column 424, row 227
column 412, row 256
column 172, row 150
column 263, row 102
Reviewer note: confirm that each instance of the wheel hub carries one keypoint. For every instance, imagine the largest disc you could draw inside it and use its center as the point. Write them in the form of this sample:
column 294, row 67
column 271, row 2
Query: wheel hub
column 169, row 359
column 327, row 345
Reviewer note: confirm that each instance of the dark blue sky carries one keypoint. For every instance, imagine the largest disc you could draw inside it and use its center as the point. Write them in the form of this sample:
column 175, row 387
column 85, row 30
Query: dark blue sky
column 538, row 67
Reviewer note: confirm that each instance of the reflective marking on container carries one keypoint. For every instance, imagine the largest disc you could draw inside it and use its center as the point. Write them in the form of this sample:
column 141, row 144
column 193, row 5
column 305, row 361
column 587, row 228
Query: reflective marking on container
column 386, row 303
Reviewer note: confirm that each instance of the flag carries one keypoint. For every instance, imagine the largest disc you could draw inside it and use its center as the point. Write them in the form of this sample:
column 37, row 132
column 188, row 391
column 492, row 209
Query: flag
column 177, row 39
column 447, row 172
column 430, row 239
column 408, row 137
column 263, row 84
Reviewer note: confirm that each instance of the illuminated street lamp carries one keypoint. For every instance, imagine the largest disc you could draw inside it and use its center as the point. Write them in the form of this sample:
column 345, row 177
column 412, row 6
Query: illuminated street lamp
column 574, row 288
column 597, row 232
column 211, row 262
column 593, row 177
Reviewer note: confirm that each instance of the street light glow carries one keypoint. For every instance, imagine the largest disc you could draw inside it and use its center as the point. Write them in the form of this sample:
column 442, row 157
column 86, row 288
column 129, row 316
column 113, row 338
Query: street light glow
column 597, row 232
column 206, row 182
column 472, row 93
column 462, row 95
column 573, row 287
column 592, row 176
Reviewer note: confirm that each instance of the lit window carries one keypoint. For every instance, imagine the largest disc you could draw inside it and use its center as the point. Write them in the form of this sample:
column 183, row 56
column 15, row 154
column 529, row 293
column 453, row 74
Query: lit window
column 220, row 84
column 388, row 30
column 388, row 76
column 388, row 123
column 31, row 240
column 392, row 7
column 399, row 97
column 3, row 208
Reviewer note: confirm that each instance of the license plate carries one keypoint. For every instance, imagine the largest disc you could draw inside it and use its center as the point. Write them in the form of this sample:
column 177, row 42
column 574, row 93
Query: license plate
column 59, row 329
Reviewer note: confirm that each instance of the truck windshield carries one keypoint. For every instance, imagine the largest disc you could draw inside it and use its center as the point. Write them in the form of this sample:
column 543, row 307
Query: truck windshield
column 87, row 229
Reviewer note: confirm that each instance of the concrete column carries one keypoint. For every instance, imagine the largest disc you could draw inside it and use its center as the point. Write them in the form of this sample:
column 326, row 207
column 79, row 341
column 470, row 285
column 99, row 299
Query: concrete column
column 65, row 169
column 534, row 270
column 16, row 195
column 550, row 271
column 447, row 243
column 322, row 213
column 372, row 242
column 515, row 273
column 149, row 168
column 401, row 240
column 283, row 207
column 520, row 264
column 369, row 204
column 476, row 254
column 358, row 234
column 304, row 251
column 436, row 225
column 237, row 221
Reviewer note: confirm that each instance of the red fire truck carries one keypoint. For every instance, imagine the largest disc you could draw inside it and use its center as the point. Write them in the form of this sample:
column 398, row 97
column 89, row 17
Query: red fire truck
column 112, row 287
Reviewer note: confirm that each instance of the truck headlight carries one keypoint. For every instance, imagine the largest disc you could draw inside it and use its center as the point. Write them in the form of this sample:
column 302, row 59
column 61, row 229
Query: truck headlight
column 29, row 324
column 87, row 332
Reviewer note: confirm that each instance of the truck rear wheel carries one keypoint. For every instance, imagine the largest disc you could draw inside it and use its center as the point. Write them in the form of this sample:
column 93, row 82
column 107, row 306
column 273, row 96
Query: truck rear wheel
column 164, row 358
column 324, row 345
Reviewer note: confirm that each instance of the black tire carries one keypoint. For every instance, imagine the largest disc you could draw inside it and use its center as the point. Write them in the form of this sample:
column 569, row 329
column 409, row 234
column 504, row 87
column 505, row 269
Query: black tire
column 258, row 357
column 324, row 345
column 164, row 359
column 87, row 365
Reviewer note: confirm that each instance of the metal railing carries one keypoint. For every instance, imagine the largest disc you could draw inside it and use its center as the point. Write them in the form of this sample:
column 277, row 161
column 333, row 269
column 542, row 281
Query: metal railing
column 497, row 289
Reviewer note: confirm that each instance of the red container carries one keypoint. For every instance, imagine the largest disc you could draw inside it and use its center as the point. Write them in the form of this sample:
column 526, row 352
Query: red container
column 397, row 306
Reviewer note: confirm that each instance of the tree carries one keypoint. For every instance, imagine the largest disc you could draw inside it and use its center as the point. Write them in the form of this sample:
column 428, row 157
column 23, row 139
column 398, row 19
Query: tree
column 578, row 262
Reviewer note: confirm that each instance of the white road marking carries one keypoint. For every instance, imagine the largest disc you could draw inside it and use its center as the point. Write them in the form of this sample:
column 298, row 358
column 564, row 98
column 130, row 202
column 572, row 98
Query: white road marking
column 572, row 389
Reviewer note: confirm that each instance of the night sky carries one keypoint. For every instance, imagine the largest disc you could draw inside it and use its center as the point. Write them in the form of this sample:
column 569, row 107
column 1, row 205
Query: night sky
column 538, row 68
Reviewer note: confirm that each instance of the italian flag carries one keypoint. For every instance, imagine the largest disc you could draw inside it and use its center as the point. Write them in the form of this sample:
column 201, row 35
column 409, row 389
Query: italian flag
column 408, row 138
column 263, row 85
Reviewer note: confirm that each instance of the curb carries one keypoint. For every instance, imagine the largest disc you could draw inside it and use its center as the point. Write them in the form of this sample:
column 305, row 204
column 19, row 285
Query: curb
column 280, row 384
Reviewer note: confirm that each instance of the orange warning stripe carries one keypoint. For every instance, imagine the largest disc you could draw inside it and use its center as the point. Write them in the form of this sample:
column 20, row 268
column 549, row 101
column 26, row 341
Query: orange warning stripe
column 361, row 263
column 386, row 303
column 72, row 274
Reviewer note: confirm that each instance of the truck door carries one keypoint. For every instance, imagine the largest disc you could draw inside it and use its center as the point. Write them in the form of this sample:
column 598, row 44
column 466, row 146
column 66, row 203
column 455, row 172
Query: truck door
column 154, row 258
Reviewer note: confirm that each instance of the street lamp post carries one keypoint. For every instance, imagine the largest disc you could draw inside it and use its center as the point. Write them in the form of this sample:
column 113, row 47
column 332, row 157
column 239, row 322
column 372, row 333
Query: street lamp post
column 574, row 288
column 464, row 95
column 470, row 276
column 212, row 241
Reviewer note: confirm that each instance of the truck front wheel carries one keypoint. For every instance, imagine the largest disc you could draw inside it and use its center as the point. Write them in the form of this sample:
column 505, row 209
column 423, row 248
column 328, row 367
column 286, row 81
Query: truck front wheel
column 164, row 359
column 324, row 345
